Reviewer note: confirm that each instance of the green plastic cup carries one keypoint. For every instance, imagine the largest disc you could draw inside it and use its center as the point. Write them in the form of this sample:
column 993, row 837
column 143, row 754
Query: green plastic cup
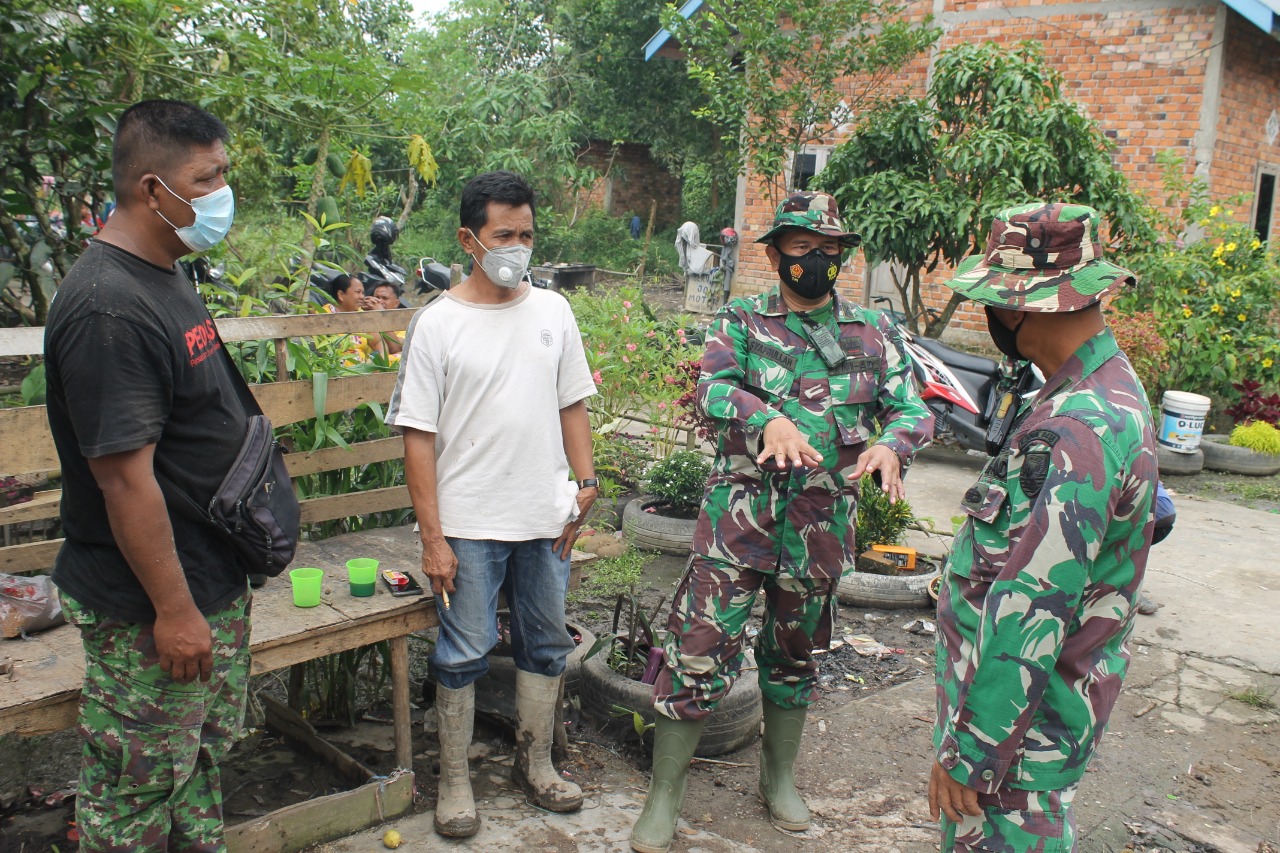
column 306, row 586
column 362, row 573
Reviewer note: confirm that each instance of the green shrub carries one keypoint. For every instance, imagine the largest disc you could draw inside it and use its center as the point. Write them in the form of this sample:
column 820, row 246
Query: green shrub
column 679, row 480
column 880, row 522
column 1258, row 436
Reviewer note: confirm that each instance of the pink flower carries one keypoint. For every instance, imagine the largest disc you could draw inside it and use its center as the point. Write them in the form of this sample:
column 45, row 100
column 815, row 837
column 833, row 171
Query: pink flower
column 653, row 429
column 631, row 347
column 626, row 359
column 662, row 405
column 626, row 304
column 651, row 334
column 596, row 378
column 626, row 318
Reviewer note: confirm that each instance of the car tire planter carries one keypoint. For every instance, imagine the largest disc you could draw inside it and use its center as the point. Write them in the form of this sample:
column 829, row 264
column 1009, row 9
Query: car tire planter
column 654, row 532
column 1221, row 456
column 865, row 589
column 1177, row 464
column 733, row 724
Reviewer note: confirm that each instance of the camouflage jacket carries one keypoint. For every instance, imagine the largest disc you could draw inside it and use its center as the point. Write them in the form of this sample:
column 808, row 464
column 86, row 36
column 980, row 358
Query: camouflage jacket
column 1038, row 593
column 760, row 365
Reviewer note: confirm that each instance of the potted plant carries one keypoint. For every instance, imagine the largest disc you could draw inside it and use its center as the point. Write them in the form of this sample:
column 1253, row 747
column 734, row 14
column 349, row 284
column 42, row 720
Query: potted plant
column 622, row 666
column 1253, row 447
column 883, row 523
column 665, row 516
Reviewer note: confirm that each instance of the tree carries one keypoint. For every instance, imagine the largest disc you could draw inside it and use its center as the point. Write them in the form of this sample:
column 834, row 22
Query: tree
column 770, row 71
column 921, row 179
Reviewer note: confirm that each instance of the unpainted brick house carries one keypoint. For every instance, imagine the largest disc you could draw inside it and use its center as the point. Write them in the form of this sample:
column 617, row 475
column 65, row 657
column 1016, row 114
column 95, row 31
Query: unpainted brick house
column 1198, row 77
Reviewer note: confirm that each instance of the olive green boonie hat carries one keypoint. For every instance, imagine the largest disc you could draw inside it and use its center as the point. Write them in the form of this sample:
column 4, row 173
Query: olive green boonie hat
column 811, row 211
column 1041, row 257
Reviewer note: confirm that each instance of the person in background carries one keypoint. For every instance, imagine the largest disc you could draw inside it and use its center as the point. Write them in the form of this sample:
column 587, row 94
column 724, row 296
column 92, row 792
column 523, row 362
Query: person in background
column 386, row 297
column 809, row 391
column 491, row 400
column 1039, row 591
column 138, row 385
column 348, row 296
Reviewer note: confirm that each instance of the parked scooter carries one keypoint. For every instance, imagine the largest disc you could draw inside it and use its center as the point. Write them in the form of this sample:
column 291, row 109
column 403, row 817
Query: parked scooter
column 974, row 399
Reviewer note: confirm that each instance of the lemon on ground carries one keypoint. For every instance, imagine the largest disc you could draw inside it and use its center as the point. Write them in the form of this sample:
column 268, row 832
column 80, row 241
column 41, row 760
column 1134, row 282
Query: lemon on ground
column 391, row 840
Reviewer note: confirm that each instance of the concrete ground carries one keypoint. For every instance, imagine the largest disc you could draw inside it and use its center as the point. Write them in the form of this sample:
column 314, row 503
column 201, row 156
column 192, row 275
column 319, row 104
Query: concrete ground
column 1184, row 767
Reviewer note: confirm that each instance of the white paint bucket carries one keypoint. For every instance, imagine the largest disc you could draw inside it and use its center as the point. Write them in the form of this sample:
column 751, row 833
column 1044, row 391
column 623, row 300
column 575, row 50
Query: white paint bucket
column 1182, row 420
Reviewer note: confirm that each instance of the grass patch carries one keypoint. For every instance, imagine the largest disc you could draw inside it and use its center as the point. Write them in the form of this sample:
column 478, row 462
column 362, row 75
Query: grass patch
column 1263, row 490
column 608, row 577
column 1254, row 698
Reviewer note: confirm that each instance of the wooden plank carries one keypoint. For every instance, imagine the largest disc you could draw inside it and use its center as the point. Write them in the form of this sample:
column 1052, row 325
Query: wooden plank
column 290, row 402
column 30, row 557
column 355, row 503
column 41, row 506
column 315, row 821
column 288, row 722
column 341, row 638
column 400, row 702
column 22, row 340
column 333, row 458
column 26, row 445
column 305, row 325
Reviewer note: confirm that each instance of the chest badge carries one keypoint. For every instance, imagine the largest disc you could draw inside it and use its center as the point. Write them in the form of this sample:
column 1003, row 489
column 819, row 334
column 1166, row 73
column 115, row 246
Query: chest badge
column 546, row 338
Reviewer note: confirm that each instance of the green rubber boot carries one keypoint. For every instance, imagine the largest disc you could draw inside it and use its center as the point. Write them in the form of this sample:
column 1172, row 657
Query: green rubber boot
column 673, row 744
column 782, row 731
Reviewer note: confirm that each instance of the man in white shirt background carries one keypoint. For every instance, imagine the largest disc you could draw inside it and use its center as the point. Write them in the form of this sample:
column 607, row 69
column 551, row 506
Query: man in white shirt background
column 491, row 400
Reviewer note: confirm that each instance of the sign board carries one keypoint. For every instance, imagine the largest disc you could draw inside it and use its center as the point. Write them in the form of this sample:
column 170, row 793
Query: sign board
column 702, row 295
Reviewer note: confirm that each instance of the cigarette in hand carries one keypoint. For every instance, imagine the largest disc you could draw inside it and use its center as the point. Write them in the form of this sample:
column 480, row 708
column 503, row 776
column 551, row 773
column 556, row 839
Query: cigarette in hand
column 445, row 595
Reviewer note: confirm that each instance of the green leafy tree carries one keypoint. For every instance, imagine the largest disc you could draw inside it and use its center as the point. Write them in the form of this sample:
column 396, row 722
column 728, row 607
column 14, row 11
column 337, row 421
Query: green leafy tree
column 922, row 178
column 771, row 72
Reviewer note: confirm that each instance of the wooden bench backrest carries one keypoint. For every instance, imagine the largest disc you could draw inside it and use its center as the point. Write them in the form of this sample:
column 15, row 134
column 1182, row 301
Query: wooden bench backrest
column 26, row 446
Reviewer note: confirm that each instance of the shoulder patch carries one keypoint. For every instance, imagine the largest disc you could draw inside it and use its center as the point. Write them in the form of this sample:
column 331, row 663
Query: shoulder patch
column 1037, row 447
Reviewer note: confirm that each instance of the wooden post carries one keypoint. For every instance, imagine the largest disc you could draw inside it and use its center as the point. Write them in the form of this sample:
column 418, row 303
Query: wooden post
column 297, row 680
column 282, row 360
column 400, row 702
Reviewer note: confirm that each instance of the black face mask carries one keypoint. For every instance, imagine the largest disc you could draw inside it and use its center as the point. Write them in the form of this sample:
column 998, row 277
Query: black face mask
column 1005, row 339
column 811, row 276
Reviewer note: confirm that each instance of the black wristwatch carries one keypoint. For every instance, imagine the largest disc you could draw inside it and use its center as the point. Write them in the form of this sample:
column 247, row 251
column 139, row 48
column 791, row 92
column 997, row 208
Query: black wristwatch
column 589, row 483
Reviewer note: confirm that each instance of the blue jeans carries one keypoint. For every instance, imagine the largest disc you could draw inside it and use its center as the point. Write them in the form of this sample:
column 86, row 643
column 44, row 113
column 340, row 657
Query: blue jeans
column 534, row 579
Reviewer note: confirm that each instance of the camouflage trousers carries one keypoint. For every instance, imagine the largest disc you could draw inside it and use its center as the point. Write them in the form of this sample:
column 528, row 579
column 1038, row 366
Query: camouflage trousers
column 148, row 771
column 704, row 637
column 1016, row 821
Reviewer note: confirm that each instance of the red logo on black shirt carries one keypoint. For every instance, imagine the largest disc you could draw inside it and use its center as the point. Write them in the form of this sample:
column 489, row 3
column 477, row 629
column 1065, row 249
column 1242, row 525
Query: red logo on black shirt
column 202, row 342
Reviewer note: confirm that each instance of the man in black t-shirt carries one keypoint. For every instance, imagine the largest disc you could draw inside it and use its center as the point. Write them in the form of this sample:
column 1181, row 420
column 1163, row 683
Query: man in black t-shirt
column 139, row 387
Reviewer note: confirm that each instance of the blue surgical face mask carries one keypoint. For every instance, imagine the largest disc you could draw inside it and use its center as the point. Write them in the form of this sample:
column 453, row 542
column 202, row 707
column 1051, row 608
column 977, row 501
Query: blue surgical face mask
column 505, row 266
column 214, row 214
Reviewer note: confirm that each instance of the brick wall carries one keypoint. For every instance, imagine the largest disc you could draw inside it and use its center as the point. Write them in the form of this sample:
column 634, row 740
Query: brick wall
column 1250, row 93
column 630, row 180
column 1141, row 71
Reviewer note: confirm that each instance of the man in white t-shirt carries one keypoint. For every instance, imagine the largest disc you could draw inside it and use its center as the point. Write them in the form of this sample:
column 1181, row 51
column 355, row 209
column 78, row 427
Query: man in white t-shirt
column 491, row 399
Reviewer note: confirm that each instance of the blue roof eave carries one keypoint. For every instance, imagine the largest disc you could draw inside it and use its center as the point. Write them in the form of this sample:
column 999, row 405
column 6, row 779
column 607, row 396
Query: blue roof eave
column 661, row 37
column 1262, row 14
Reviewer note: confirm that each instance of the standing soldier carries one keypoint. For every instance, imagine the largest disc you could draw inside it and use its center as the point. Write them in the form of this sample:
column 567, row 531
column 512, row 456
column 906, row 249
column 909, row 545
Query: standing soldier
column 1038, row 594
column 799, row 383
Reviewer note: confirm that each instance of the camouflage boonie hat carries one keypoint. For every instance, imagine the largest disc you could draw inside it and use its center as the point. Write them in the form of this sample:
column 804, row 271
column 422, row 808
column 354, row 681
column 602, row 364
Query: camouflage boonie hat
column 813, row 212
column 1041, row 257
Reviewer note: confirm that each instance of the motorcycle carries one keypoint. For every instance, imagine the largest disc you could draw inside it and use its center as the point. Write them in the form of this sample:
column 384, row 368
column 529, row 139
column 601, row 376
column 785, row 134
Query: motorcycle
column 974, row 399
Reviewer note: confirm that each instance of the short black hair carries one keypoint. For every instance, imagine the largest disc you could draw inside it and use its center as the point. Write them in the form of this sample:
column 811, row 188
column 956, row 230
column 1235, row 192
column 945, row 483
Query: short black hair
column 382, row 282
column 503, row 187
column 152, row 135
column 342, row 282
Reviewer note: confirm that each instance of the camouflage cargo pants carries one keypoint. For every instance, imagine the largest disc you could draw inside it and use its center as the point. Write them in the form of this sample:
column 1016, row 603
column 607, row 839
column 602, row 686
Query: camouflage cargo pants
column 704, row 641
column 1016, row 821
column 148, row 771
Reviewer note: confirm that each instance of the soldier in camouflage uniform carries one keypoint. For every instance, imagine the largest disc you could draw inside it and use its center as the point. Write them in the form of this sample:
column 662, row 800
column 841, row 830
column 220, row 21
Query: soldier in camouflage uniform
column 1037, row 600
column 800, row 383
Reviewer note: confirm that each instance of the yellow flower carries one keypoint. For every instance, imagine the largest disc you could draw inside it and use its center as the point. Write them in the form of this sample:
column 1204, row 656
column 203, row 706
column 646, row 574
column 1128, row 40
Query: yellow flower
column 1224, row 338
column 1215, row 210
column 1266, row 362
column 1235, row 294
column 1231, row 247
column 1256, row 244
column 1217, row 253
column 1221, row 262
column 1204, row 222
column 1241, row 317
column 1216, row 309
column 1186, row 312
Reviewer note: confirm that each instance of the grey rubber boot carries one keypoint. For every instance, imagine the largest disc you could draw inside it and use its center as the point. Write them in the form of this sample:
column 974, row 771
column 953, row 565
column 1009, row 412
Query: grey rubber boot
column 782, row 731
column 673, row 744
column 456, row 815
column 536, row 698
